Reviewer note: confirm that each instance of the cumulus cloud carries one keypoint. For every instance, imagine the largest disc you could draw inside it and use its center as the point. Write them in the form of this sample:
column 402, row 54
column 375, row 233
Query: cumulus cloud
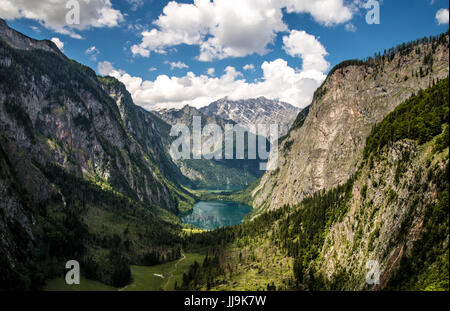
column 92, row 52
column 279, row 81
column 309, row 49
column 136, row 4
column 442, row 16
column 350, row 27
column 178, row 65
column 249, row 67
column 52, row 14
column 58, row 43
column 327, row 12
column 105, row 68
column 232, row 28
column 211, row 71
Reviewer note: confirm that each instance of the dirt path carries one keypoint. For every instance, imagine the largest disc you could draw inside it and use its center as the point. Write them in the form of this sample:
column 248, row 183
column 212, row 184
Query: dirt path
column 174, row 269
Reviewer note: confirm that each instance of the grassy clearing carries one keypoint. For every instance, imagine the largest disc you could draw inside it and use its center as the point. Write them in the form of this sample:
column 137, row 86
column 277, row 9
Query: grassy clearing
column 144, row 278
column 147, row 279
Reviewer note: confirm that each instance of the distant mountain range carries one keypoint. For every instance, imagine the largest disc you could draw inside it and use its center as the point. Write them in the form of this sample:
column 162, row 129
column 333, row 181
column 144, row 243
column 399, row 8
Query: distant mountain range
column 362, row 178
column 254, row 111
column 212, row 174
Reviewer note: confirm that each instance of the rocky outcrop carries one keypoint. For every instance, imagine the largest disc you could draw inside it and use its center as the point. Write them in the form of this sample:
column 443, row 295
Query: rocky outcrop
column 386, row 216
column 250, row 112
column 325, row 149
column 20, row 41
column 61, row 112
column 75, row 148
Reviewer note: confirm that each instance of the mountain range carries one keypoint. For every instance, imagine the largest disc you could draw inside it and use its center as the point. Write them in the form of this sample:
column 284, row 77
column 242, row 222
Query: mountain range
column 223, row 174
column 362, row 178
column 249, row 112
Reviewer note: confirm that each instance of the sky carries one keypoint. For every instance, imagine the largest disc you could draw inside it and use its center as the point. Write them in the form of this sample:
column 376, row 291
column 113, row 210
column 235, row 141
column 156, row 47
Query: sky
column 173, row 53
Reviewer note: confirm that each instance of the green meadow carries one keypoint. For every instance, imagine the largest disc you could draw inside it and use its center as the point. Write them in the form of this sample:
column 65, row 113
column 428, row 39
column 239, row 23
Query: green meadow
column 154, row 278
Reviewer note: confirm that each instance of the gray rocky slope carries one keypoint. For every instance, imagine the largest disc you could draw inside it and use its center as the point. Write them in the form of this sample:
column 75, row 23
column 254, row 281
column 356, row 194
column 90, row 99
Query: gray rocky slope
column 250, row 112
column 324, row 147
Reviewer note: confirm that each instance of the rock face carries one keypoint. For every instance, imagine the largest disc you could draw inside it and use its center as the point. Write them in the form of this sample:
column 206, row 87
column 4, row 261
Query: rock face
column 20, row 41
column 324, row 148
column 186, row 114
column 63, row 127
column 212, row 174
column 254, row 111
column 386, row 218
column 61, row 112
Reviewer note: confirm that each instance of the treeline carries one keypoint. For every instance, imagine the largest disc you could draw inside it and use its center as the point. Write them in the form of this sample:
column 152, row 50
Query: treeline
column 156, row 257
column 302, row 233
column 404, row 49
column 70, row 238
column 199, row 275
column 301, row 229
column 419, row 118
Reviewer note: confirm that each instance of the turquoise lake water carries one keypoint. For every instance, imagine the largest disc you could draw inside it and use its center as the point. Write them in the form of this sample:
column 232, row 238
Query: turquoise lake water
column 216, row 214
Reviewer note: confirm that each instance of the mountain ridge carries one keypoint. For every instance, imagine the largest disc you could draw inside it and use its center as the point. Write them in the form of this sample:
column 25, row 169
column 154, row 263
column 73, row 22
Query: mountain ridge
column 325, row 150
column 253, row 111
column 79, row 163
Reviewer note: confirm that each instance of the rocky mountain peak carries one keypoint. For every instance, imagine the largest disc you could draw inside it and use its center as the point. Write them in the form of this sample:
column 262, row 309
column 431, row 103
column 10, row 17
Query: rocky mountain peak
column 20, row 41
column 324, row 148
column 254, row 111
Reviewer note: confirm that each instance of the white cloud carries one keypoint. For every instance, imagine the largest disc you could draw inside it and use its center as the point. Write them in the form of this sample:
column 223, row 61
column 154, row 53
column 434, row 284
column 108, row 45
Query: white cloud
column 58, row 43
column 178, row 65
column 136, row 4
column 327, row 12
column 52, row 14
column 249, row 67
column 135, row 49
column 232, row 28
column 279, row 81
column 105, row 68
column 350, row 27
column 35, row 29
column 151, row 69
column 306, row 46
column 442, row 16
column 211, row 71
column 92, row 52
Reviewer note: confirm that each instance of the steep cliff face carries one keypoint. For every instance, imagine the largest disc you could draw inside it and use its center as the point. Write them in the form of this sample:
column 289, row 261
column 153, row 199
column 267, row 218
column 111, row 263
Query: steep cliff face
column 387, row 216
column 78, row 163
column 59, row 111
column 149, row 131
column 324, row 149
column 20, row 41
column 387, row 227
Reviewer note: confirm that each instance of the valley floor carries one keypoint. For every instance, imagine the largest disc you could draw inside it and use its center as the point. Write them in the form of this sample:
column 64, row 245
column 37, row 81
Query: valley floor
column 154, row 278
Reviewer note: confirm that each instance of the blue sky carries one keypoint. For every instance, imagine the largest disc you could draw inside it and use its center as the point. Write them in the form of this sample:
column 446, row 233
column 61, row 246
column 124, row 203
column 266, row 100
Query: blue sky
column 169, row 54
